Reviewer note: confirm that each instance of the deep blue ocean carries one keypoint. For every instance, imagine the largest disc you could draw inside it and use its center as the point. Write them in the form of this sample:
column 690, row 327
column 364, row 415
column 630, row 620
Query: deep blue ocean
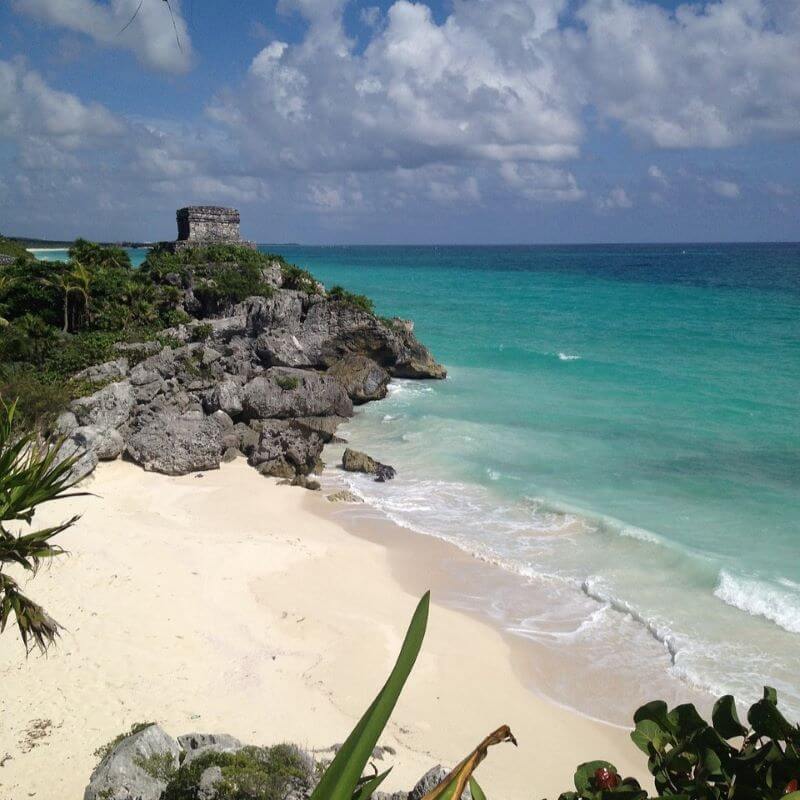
column 620, row 430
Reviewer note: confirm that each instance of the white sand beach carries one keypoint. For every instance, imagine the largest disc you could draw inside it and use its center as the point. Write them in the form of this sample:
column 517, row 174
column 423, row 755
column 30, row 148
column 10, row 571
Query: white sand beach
column 227, row 603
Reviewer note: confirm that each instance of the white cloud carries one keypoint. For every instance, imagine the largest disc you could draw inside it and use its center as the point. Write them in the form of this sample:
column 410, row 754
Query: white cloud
column 541, row 182
column 708, row 74
column 726, row 189
column 657, row 175
column 617, row 198
column 150, row 36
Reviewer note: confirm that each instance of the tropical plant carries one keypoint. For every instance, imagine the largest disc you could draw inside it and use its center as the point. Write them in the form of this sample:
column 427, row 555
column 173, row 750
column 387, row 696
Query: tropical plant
column 30, row 475
column 344, row 778
column 349, row 298
column 692, row 760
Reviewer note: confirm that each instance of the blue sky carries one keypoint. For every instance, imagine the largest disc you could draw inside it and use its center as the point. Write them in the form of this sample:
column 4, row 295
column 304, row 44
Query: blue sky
column 472, row 121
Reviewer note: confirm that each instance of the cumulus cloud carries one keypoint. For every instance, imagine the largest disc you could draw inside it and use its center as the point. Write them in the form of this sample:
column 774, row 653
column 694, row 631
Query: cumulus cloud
column 708, row 74
column 617, row 198
column 726, row 189
column 150, row 36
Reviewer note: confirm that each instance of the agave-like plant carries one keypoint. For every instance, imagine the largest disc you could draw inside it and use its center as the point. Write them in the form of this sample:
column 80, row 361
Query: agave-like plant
column 344, row 778
column 30, row 475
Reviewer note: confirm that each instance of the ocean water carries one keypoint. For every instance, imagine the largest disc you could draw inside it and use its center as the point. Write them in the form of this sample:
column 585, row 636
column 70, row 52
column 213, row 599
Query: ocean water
column 620, row 431
column 620, row 435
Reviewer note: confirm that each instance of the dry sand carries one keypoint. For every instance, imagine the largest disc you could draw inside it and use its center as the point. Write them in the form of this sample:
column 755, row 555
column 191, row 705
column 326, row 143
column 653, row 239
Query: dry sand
column 227, row 603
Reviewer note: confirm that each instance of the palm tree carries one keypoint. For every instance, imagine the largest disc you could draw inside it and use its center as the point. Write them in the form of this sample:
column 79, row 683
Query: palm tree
column 76, row 281
column 29, row 476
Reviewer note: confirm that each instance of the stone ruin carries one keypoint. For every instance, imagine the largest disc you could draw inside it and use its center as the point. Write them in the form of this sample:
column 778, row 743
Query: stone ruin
column 200, row 226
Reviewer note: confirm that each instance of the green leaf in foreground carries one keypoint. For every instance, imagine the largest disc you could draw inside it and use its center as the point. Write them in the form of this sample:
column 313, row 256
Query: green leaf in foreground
column 342, row 776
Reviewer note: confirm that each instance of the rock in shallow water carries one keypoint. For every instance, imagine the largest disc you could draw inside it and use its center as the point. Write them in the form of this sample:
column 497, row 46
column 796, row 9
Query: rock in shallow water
column 355, row 461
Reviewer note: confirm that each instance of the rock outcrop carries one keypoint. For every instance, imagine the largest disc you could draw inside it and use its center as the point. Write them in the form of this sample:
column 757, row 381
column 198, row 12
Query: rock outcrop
column 355, row 461
column 136, row 768
column 149, row 763
column 271, row 378
column 363, row 379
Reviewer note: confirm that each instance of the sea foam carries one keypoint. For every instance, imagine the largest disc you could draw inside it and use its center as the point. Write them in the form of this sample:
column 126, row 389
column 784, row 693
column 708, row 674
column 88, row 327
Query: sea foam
column 761, row 599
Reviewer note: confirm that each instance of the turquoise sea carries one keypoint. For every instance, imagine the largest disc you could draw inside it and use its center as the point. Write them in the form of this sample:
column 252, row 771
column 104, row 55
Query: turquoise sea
column 620, row 433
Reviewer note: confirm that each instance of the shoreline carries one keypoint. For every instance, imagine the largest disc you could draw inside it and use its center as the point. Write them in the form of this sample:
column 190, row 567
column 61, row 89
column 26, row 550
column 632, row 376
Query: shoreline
column 229, row 604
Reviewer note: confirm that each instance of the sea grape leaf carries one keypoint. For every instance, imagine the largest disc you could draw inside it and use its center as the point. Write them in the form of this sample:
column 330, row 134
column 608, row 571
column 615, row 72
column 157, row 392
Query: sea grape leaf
column 771, row 695
column 647, row 734
column 725, row 718
column 585, row 773
column 684, row 720
column 656, row 711
column 766, row 720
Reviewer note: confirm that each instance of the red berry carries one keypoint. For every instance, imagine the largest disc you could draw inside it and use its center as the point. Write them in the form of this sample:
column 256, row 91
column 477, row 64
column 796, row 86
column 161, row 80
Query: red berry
column 792, row 786
column 604, row 778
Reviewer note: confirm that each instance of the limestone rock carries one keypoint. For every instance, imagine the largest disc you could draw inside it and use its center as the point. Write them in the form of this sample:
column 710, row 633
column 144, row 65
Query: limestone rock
column 100, row 373
column 355, row 461
column 109, row 408
column 86, row 460
column 123, row 774
column 284, row 393
column 106, row 443
column 344, row 496
column 65, row 424
column 324, row 427
column 363, row 379
column 285, row 450
column 196, row 744
column 225, row 396
column 177, row 445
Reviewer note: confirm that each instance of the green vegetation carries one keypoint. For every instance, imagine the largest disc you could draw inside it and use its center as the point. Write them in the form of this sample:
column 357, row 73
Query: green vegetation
column 361, row 301
column 201, row 332
column 159, row 766
column 296, row 278
column 13, row 249
column 29, row 476
column 253, row 773
column 103, row 752
column 692, row 760
column 287, row 382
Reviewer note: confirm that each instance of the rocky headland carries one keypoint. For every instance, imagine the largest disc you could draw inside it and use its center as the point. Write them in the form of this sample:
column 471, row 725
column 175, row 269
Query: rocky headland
column 268, row 378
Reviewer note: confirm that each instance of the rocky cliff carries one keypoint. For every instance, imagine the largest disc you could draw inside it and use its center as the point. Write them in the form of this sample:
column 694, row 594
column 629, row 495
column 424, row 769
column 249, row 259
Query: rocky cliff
column 269, row 378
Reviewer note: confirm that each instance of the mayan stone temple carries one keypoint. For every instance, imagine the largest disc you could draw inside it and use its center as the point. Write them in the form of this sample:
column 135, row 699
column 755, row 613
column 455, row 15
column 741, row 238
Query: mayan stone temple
column 199, row 226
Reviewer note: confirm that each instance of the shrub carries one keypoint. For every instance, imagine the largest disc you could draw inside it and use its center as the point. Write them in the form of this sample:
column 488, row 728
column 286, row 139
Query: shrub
column 8, row 247
column 40, row 397
column 202, row 332
column 299, row 279
column 287, row 382
column 690, row 759
column 253, row 773
column 341, row 295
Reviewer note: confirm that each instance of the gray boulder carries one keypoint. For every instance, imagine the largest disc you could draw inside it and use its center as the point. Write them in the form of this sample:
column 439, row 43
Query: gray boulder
column 86, row 460
column 363, row 379
column 284, row 450
column 65, row 424
column 100, row 373
column 355, row 461
column 177, row 445
column 135, row 768
column 108, row 408
column 196, row 744
column 225, row 396
column 106, row 443
column 324, row 427
column 284, row 393
column 430, row 780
